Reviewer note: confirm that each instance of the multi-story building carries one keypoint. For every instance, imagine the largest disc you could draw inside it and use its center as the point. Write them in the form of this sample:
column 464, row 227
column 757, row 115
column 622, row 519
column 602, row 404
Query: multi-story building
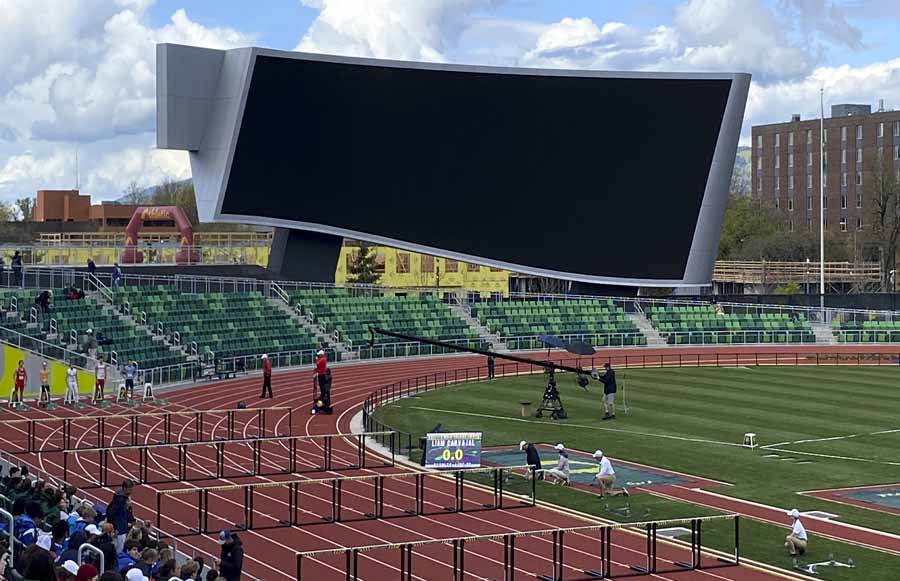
column 785, row 165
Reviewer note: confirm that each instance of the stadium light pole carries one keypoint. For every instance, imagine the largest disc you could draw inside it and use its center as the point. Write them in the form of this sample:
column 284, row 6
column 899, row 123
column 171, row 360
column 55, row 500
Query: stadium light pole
column 822, row 202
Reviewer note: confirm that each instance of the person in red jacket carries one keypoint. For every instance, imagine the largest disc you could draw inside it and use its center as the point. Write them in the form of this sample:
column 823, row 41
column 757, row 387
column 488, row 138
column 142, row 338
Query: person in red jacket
column 322, row 375
column 267, row 377
column 20, row 376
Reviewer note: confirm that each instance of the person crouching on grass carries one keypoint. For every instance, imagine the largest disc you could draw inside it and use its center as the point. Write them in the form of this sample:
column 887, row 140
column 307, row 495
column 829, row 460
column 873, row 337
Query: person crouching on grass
column 795, row 542
column 606, row 476
column 561, row 472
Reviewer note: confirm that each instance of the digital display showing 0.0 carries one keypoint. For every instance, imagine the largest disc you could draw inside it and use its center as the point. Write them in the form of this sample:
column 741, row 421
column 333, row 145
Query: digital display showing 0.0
column 453, row 450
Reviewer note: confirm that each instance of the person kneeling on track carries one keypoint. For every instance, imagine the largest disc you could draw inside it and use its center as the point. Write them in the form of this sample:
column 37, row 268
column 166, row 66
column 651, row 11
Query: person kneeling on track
column 561, row 472
column 606, row 476
column 795, row 542
column 532, row 458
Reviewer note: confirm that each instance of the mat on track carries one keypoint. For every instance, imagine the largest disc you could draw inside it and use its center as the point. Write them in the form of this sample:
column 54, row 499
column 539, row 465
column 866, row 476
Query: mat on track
column 884, row 498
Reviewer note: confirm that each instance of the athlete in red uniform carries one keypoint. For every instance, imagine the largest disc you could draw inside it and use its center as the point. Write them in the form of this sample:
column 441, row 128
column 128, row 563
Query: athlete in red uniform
column 19, row 377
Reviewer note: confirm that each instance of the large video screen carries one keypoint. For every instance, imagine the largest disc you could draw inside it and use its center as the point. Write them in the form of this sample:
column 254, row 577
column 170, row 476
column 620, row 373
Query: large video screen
column 596, row 176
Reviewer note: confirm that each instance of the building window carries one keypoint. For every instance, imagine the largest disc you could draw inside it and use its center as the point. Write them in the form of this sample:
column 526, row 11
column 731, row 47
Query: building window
column 843, row 156
column 777, row 140
column 825, row 224
column 824, row 180
column 881, row 130
column 777, row 203
column 790, row 204
column 843, row 202
column 451, row 266
column 824, row 136
column 809, row 202
column 859, row 178
column 759, row 163
column 791, row 225
column 809, row 160
column 759, row 141
column 809, row 181
column 791, row 182
column 809, row 137
column 859, row 131
column 843, row 134
column 790, row 160
column 808, row 224
column 859, row 199
column 825, row 205
column 427, row 266
column 777, row 183
column 402, row 262
column 379, row 263
column 825, row 161
column 791, row 139
column 897, row 152
column 897, row 128
column 859, row 156
column 351, row 256
column 777, row 161
column 473, row 267
column 843, row 180
column 844, row 224
column 859, row 222
column 759, row 184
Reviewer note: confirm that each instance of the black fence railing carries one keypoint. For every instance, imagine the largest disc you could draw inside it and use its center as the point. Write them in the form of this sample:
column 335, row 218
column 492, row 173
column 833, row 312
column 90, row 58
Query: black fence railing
column 407, row 443
column 612, row 552
column 289, row 503
column 87, row 433
column 194, row 461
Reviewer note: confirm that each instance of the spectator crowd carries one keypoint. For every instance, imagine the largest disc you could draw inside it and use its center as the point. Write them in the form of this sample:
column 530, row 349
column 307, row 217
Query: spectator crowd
column 51, row 525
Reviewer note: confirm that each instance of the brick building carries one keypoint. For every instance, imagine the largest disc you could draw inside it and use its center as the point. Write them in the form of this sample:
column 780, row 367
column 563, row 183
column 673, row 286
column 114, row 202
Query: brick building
column 785, row 166
column 71, row 206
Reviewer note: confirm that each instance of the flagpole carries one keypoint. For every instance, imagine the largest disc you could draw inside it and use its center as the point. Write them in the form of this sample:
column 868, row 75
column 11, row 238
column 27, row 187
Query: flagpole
column 822, row 202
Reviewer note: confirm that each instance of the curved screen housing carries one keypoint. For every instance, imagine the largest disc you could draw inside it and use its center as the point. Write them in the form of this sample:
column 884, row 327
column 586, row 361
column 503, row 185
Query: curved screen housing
column 599, row 177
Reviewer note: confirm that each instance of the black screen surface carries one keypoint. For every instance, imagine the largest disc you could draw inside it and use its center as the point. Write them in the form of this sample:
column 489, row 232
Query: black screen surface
column 594, row 176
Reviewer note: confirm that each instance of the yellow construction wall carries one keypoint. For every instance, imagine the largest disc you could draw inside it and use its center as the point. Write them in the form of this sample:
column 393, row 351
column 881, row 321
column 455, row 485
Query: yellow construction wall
column 107, row 255
column 10, row 361
column 482, row 279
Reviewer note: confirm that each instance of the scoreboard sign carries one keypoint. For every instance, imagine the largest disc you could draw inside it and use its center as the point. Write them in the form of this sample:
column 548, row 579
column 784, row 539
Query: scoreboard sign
column 453, row 450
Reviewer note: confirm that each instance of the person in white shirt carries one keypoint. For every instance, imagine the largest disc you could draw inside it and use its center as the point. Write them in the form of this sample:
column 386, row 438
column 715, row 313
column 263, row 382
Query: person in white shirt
column 561, row 472
column 71, row 385
column 795, row 542
column 606, row 476
column 100, row 372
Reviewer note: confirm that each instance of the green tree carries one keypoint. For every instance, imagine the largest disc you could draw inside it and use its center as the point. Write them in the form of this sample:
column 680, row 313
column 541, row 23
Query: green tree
column 362, row 268
column 745, row 219
column 25, row 207
column 881, row 189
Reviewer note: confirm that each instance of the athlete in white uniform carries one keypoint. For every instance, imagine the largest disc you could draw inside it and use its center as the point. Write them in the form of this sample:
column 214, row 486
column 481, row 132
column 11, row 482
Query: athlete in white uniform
column 71, row 386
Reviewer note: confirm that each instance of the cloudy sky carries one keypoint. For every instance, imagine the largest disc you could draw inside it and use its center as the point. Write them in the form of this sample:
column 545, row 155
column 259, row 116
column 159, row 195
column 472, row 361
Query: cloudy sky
column 80, row 74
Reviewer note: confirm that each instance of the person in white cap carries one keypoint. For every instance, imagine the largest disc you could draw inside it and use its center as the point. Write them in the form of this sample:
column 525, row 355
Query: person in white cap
column 135, row 574
column 71, row 567
column 267, row 377
column 532, row 458
column 795, row 542
column 606, row 476
column 322, row 376
column 561, row 472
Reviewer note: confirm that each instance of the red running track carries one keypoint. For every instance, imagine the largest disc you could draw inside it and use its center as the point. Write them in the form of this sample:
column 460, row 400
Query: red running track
column 270, row 553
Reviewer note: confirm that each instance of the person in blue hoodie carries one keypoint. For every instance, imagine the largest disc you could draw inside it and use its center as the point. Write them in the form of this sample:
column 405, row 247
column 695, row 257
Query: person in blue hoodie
column 28, row 526
column 130, row 556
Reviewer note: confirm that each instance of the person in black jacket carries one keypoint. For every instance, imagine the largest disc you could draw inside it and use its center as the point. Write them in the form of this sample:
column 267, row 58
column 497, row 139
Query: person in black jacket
column 532, row 458
column 232, row 558
column 609, row 392
column 490, row 363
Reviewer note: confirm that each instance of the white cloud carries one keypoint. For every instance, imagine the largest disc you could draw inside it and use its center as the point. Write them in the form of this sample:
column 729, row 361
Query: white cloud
column 26, row 171
column 420, row 30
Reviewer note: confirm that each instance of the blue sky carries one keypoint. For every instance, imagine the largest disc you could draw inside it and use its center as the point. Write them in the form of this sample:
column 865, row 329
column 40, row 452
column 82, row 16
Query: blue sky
column 81, row 73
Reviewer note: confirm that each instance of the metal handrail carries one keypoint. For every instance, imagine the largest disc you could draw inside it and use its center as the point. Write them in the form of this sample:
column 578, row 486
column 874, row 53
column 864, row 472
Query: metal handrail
column 91, row 549
column 12, row 526
column 23, row 340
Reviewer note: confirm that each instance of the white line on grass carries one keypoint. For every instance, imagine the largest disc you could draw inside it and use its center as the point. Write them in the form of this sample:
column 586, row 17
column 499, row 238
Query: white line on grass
column 618, row 430
column 849, row 458
column 830, row 439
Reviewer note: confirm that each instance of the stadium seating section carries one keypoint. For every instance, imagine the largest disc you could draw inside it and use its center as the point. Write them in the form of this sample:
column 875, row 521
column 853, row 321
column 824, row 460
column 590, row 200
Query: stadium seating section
column 866, row 331
column 600, row 322
column 80, row 316
column 420, row 316
column 225, row 324
column 703, row 325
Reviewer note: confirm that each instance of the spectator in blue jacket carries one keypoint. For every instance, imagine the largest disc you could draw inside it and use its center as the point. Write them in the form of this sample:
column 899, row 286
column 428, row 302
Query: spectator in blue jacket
column 28, row 526
column 119, row 513
column 130, row 556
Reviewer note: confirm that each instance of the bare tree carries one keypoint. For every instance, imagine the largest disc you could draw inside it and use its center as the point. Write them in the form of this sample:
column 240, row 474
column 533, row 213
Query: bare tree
column 25, row 207
column 882, row 190
column 133, row 193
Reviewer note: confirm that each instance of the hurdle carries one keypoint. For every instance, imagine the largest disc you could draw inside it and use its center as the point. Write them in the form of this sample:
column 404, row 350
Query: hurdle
column 705, row 558
column 287, row 448
column 261, row 418
column 330, row 499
